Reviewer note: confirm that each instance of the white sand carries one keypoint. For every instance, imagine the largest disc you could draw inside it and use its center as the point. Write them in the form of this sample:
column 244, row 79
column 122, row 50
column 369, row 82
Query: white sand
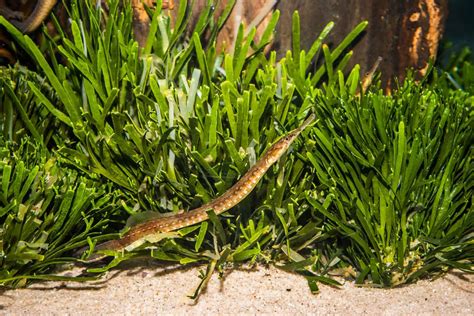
column 153, row 289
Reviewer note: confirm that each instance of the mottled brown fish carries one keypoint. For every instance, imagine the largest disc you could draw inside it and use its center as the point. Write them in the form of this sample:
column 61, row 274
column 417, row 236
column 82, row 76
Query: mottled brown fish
column 230, row 198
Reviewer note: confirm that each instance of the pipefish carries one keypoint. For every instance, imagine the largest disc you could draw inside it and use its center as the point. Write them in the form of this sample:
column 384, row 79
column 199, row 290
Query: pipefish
column 227, row 200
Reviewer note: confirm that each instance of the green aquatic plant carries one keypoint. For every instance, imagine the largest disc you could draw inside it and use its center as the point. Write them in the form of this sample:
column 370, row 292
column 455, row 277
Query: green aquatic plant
column 47, row 211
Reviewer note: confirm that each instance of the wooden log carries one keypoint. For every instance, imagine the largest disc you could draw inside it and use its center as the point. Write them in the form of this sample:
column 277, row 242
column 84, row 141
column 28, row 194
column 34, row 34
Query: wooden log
column 405, row 33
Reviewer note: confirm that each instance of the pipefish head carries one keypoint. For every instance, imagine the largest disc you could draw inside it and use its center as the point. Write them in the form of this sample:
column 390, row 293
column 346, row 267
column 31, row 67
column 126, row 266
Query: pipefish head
column 281, row 146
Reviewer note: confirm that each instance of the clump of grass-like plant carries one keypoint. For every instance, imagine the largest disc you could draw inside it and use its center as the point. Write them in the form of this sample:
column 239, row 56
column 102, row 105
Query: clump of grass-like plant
column 47, row 211
column 394, row 178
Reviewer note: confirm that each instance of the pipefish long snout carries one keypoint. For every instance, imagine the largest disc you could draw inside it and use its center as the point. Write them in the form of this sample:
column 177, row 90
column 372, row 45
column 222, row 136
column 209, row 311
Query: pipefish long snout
column 229, row 199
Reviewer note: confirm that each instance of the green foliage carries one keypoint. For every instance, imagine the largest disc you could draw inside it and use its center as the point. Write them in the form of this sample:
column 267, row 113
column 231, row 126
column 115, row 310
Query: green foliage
column 395, row 178
column 380, row 183
column 20, row 113
column 46, row 210
column 459, row 72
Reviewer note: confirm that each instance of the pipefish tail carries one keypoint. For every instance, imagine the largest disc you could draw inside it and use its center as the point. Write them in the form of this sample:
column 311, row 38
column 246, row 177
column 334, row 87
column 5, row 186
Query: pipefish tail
column 227, row 200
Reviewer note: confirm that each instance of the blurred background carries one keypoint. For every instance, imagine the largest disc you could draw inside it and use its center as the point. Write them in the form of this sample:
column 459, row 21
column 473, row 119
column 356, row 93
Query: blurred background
column 460, row 23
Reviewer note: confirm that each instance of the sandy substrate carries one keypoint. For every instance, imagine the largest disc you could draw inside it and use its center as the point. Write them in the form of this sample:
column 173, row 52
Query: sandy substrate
column 157, row 289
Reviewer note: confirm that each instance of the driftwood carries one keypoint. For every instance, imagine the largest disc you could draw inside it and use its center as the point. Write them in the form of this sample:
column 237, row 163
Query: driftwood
column 404, row 33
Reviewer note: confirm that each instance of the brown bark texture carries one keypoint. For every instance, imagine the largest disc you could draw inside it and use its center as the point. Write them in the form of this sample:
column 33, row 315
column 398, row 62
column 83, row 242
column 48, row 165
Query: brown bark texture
column 405, row 33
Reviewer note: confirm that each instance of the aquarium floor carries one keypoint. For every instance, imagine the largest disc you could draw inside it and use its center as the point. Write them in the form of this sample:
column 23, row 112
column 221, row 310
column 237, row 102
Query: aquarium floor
column 149, row 289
